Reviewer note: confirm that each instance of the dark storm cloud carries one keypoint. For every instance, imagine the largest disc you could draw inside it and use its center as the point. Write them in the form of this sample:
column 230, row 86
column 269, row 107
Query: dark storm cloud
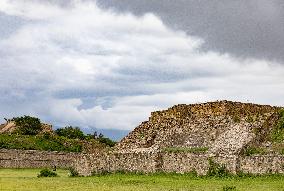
column 250, row 28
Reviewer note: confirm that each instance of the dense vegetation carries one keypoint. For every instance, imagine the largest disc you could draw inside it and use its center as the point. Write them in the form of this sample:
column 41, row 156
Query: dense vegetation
column 70, row 132
column 29, row 135
column 272, row 133
column 44, row 142
column 27, row 125
column 75, row 133
column 26, row 179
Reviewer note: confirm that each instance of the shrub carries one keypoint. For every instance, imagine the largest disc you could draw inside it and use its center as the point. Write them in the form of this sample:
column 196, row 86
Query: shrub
column 217, row 170
column 46, row 173
column 70, row 132
column 106, row 141
column 27, row 125
column 73, row 173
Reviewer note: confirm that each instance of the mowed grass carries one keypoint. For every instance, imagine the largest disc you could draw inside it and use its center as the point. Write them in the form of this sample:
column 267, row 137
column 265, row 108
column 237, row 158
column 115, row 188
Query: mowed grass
column 26, row 180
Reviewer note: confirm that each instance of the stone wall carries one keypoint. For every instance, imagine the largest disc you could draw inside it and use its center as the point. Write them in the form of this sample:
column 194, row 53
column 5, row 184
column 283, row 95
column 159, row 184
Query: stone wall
column 262, row 164
column 139, row 161
column 11, row 158
column 147, row 162
column 182, row 162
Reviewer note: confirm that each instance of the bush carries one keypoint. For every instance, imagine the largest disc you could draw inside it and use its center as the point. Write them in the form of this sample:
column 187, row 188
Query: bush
column 27, row 125
column 106, row 141
column 73, row 173
column 217, row 170
column 70, row 132
column 46, row 173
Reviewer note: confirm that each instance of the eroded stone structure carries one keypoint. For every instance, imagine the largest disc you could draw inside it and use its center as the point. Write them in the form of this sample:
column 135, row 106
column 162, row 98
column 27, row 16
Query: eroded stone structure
column 224, row 129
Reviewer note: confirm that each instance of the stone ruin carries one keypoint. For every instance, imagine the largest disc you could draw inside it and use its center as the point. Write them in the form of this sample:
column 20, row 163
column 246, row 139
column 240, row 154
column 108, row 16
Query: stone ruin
column 180, row 139
column 184, row 137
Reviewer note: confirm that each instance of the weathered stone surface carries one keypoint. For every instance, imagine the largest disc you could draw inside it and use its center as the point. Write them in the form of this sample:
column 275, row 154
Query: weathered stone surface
column 176, row 162
column 12, row 158
column 200, row 125
column 262, row 164
column 184, row 162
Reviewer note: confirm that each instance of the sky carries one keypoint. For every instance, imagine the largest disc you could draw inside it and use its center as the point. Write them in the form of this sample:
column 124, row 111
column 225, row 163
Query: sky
column 108, row 64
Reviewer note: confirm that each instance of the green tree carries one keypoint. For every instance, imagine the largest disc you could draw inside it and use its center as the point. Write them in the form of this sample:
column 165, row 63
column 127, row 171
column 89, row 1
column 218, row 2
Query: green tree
column 70, row 132
column 106, row 140
column 27, row 125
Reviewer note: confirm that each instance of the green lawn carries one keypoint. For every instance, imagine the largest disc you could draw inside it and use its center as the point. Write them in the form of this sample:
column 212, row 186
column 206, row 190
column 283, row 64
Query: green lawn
column 26, row 180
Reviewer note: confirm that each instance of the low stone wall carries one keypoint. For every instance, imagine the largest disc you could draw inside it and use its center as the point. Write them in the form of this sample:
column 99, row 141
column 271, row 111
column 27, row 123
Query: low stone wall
column 88, row 163
column 147, row 162
column 134, row 162
column 11, row 158
column 175, row 162
column 113, row 162
column 184, row 162
column 262, row 164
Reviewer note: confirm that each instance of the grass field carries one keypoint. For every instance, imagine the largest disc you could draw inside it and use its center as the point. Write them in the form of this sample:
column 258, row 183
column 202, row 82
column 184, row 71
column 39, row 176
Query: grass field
column 26, row 180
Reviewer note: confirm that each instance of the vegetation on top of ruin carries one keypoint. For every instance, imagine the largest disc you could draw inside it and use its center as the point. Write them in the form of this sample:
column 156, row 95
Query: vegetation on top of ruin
column 29, row 134
column 46, row 142
column 27, row 125
column 269, row 136
column 277, row 134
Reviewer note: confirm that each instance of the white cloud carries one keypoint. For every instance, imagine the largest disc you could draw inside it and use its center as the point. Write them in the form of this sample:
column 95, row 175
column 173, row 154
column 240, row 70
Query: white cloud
column 86, row 66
